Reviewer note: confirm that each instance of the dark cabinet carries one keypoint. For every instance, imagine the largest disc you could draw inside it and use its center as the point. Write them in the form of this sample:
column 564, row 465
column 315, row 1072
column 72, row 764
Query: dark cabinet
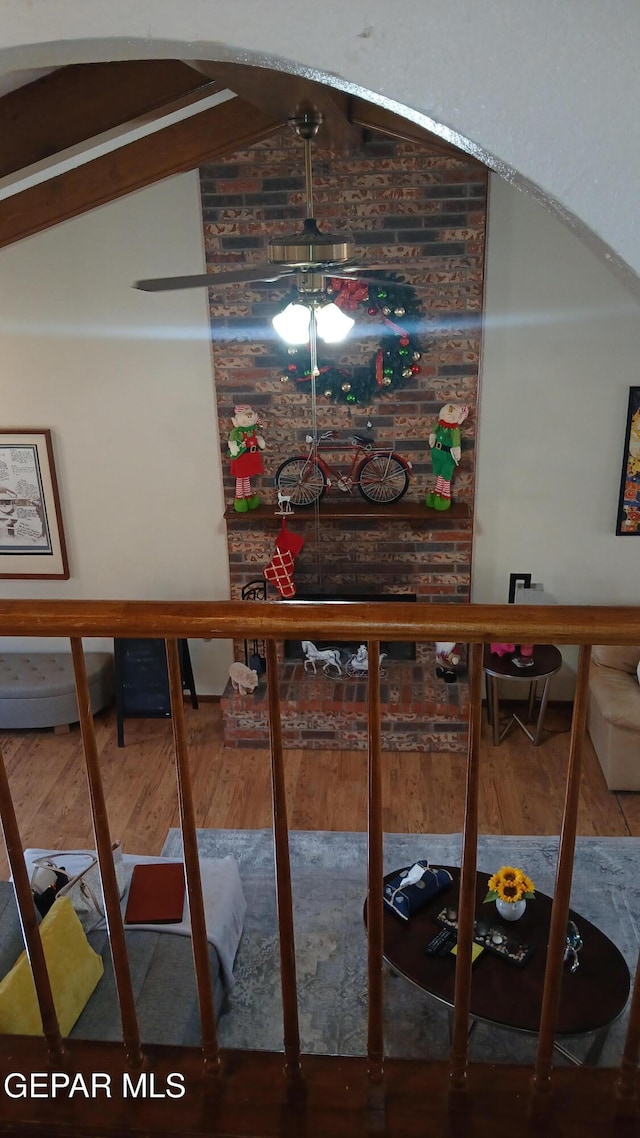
column 141, row 677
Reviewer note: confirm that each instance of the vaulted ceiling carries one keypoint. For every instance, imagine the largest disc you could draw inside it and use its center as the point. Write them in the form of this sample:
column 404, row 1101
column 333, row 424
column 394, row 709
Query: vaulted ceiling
column 53, row 166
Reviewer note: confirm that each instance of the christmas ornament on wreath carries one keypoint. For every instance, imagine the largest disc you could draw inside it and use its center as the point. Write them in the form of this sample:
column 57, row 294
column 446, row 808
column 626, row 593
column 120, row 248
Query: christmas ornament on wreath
column 395, row 361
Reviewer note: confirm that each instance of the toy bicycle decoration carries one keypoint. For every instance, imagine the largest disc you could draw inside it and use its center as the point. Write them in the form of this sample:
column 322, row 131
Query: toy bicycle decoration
column 395, row 361
column 380, row 474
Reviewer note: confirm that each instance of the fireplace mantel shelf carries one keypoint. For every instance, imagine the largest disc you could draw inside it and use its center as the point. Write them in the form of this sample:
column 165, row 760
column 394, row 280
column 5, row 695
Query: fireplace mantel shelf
column 357, row 509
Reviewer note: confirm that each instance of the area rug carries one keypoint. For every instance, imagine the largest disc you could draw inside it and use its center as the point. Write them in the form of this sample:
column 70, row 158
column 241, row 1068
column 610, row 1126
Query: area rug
column 329, row 885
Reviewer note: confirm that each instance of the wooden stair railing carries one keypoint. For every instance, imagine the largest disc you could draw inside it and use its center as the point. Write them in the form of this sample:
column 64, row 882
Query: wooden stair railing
column 466, row 903
column 254, row 1093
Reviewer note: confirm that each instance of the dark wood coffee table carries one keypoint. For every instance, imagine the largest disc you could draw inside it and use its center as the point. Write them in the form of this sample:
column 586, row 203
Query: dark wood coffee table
column 502, row 993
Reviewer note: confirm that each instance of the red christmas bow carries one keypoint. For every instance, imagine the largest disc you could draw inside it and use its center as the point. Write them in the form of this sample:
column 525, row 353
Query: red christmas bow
column 349, row 294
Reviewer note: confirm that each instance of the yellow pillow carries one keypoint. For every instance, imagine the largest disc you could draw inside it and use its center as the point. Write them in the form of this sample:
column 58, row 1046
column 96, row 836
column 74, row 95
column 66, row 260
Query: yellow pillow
column 74, row 970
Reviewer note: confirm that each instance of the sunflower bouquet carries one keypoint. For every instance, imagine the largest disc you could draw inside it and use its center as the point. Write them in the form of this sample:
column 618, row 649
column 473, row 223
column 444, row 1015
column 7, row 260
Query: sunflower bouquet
column 511, row 885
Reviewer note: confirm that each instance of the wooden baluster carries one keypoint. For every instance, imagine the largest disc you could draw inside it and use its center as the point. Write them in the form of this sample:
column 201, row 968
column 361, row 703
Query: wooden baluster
column 28, row 920
column 104, row 850
column 375, row 940
column 467, row 898
column 562, row 893
column 283, row 873
column 626, row 1090
column 199, row 943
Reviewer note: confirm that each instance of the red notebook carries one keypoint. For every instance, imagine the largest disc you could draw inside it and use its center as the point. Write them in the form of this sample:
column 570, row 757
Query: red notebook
column 156, row 894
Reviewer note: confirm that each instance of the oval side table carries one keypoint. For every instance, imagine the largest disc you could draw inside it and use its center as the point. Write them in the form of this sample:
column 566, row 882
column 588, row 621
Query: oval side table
column 547, row 660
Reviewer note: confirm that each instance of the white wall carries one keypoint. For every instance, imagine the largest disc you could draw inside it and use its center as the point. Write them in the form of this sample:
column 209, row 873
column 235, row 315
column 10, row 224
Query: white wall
column 561, row 349
column 124, row 381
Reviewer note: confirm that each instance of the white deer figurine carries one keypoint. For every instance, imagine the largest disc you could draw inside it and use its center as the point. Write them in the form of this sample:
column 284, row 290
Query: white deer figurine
column 284, row 504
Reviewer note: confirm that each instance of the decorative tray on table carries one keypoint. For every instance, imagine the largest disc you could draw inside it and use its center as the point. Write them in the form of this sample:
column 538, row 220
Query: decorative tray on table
column 491, row 936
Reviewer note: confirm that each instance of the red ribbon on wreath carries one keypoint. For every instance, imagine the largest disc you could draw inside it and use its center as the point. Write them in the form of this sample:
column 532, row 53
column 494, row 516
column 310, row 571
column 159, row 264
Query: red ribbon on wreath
column 307, row 375
column 349, row 294
column 394, row 327
column 379, row 368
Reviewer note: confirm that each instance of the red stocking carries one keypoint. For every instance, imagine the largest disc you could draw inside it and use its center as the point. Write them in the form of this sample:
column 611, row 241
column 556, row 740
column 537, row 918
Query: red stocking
column 288, row 542
column 280, row 569
column 279, row 573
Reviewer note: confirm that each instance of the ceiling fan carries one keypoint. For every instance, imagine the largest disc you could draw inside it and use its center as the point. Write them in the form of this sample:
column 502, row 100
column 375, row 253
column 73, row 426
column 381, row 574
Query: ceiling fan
column 309, row 256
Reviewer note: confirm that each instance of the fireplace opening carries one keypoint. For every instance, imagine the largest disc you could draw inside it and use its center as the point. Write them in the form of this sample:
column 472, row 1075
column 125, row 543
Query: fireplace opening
column 394, row 649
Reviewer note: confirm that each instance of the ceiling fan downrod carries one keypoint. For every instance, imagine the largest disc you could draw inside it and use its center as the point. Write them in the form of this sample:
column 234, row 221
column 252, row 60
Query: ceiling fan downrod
column 310, row 250
column 306, row 127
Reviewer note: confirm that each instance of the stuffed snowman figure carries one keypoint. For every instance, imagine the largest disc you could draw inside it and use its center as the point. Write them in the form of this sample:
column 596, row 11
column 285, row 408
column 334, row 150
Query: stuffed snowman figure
column 444, row 441
column 244, row 445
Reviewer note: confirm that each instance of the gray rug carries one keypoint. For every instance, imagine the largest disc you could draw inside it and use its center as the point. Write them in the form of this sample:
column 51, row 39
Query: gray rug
column 329, row 885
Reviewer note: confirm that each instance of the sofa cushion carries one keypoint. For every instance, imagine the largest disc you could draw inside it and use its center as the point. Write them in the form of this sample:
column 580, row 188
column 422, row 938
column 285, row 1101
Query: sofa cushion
column 617, row 695
column 625, row 658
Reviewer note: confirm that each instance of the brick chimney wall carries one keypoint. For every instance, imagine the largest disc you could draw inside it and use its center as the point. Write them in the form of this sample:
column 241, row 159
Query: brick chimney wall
column 413, row 206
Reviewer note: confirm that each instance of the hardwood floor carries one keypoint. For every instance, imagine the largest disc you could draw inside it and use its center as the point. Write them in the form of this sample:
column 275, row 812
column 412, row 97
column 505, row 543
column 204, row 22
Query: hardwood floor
column 521, row 786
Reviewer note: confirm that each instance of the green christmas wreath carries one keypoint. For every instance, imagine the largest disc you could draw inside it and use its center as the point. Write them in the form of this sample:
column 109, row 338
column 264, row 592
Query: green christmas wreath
column 395, row 360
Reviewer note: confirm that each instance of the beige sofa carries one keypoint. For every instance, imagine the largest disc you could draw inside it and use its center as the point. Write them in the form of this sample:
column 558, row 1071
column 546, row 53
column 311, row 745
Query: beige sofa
column 614, row 714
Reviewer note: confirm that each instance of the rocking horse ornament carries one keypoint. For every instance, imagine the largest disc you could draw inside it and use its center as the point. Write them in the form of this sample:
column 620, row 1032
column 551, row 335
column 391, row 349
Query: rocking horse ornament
column 329, row 658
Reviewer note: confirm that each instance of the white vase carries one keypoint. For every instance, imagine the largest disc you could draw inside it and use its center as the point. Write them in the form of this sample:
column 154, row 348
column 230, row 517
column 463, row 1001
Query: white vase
column 510, row 910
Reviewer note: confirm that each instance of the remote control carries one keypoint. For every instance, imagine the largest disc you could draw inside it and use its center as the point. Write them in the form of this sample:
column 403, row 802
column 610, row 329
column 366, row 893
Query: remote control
column 442, row 943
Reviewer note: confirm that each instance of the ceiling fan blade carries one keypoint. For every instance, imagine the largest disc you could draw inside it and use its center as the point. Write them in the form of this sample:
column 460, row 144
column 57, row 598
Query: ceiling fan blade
column 264, row 273
column 395, row 267
column 362, row 274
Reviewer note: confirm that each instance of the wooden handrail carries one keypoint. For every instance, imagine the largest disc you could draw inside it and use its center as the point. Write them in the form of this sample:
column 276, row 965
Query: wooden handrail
column 283, row 874
column 562, row 892
column 200, row 945
column 467, row 899
column 375, row 1033
column 463, row 623
column 104, row 850
column 627, row 1084
column 467, row 624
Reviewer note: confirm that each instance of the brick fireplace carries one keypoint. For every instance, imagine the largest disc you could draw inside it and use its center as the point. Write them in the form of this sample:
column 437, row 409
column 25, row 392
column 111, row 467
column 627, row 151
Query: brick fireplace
column 404, row 202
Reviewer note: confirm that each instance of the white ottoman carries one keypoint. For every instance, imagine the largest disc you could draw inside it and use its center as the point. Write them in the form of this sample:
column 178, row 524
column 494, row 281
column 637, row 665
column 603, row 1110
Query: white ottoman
column 37, row 689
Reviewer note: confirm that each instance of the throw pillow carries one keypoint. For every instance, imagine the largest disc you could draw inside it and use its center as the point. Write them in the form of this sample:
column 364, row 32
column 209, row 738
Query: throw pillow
column 74, row 971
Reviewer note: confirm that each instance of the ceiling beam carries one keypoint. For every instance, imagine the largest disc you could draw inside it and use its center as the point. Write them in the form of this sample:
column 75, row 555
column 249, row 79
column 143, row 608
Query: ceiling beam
column 74, row 104
column 286, row 96
column 185, row 145
column 369, row 116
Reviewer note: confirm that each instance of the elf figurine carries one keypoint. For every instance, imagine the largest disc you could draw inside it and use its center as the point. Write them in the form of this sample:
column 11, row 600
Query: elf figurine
column 244, row 446
column 447, row 660
column 445, row 452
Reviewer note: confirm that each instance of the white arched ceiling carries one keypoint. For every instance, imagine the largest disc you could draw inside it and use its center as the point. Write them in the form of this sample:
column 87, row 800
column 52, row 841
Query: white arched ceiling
column 546, row 93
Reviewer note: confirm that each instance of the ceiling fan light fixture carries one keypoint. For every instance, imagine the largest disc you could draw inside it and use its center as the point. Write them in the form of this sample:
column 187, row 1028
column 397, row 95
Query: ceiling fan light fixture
column 333, row 324
column 292, row 324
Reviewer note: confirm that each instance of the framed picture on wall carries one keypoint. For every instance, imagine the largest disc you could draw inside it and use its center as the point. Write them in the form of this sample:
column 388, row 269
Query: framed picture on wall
column 629, row 503
column 31, row 534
